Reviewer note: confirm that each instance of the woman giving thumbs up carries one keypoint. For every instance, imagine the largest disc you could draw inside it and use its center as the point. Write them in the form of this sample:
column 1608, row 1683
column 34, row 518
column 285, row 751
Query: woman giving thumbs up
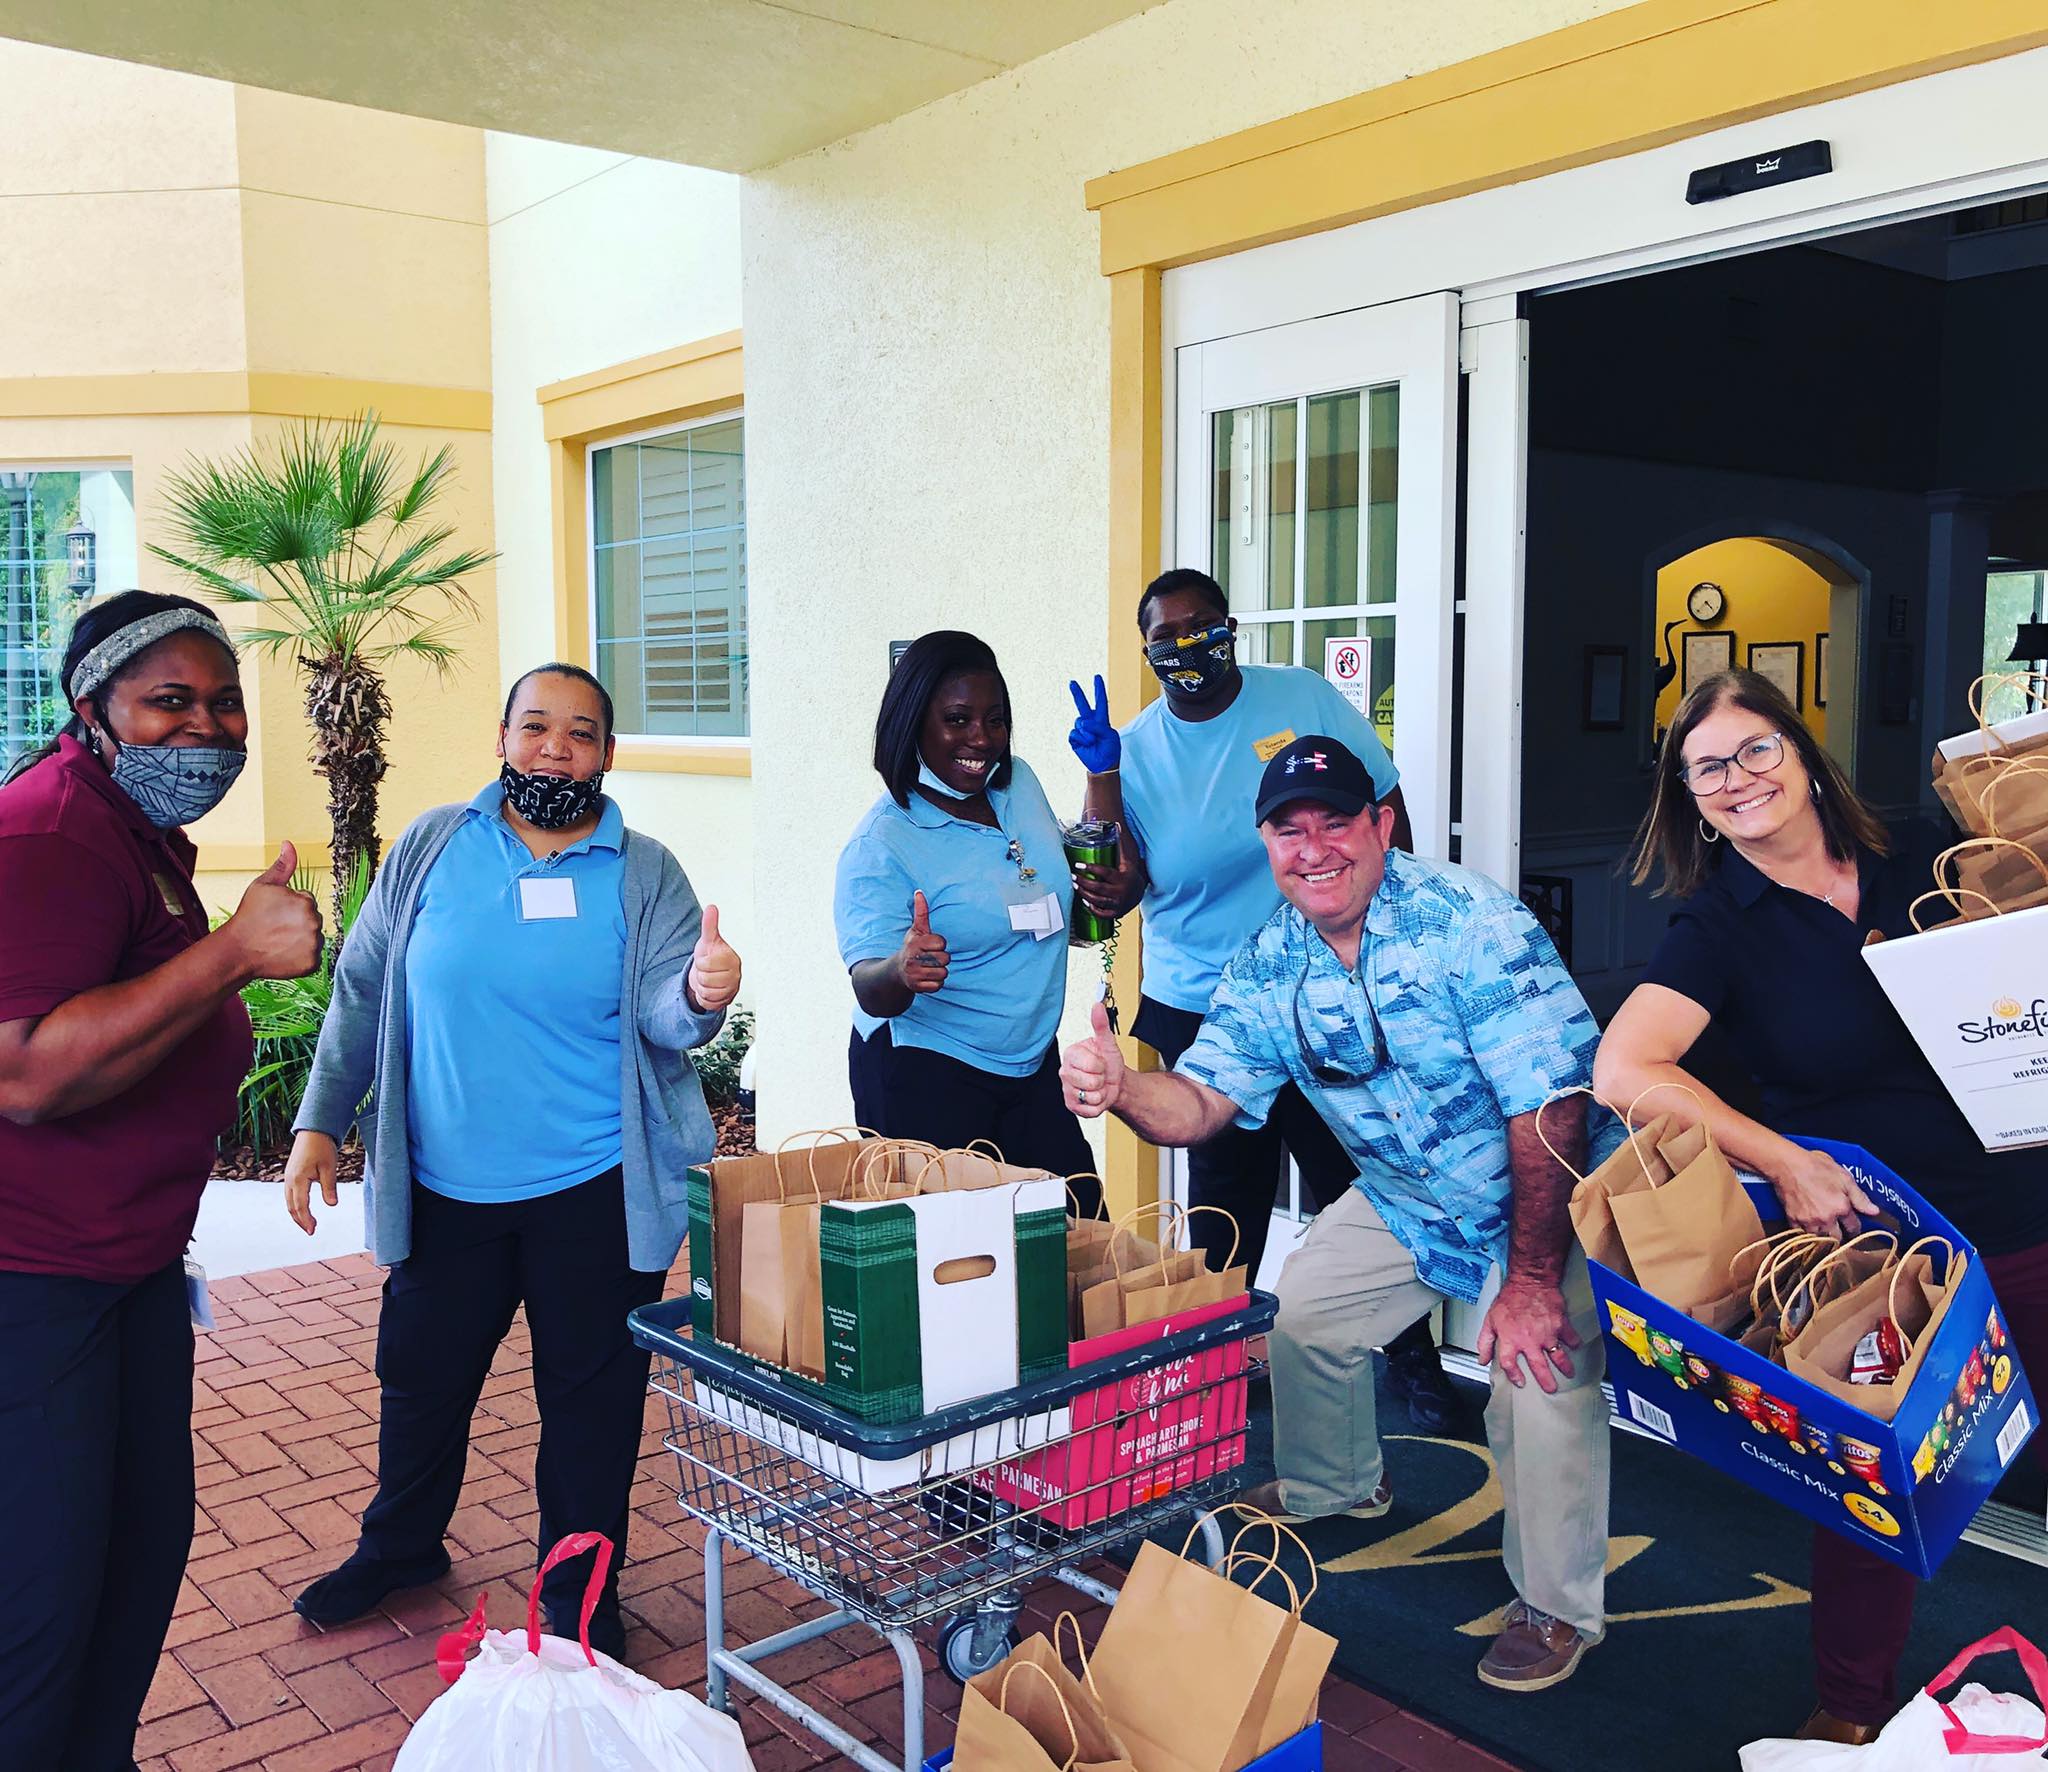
column 951, row 910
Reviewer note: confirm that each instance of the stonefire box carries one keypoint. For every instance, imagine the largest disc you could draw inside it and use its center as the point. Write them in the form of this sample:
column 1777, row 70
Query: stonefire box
column 1904, row 1488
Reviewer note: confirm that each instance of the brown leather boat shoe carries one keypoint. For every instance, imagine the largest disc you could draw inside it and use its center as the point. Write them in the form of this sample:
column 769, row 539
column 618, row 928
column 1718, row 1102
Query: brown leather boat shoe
column 1266, row 1498
column 1533, row 1651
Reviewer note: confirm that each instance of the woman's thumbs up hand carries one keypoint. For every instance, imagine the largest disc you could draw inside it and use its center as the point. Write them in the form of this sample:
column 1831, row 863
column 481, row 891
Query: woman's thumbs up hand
column 714, row 968
column 922, row 961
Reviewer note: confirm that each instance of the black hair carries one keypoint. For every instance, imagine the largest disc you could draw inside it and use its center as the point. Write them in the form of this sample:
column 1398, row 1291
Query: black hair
column 1183, row 578
column 95, row 623
column 557, row 668
column 926, row 663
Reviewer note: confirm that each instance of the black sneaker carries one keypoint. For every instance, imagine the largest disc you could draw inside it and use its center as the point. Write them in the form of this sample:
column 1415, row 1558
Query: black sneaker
column 361, row 1584
column 607, row 1629
column 1426, row 1391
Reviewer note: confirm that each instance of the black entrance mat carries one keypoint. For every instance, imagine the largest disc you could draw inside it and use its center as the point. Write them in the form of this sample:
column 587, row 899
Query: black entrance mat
column 1707, row 1642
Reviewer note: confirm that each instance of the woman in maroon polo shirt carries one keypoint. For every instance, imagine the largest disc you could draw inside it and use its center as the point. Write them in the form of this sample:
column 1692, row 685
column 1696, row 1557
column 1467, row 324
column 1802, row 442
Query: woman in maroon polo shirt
column 122, row 1042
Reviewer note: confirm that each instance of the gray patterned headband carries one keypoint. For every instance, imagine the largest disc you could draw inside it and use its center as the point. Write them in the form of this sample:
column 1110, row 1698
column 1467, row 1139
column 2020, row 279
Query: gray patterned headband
column 138, row 636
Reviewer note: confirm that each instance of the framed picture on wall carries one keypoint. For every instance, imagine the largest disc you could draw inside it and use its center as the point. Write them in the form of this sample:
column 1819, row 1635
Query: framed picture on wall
column 1703, row 655
column 1782, row 662
column 1820, row 670
column 1606, row 688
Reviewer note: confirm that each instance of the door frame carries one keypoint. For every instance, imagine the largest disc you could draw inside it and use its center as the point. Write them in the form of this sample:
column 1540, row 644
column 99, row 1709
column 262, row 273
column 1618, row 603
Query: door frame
column 1920, row 147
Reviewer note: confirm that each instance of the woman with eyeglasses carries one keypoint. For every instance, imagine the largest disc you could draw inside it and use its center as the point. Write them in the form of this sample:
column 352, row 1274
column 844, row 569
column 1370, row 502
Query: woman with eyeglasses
column 1783, row 873
column 951, row 909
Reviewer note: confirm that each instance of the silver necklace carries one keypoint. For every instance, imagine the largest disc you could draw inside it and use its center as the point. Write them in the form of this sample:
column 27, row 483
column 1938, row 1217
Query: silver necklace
column 1826, row 898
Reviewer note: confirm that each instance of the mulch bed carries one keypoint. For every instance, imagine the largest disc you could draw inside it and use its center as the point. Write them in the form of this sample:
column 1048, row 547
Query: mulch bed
column 241, row 1163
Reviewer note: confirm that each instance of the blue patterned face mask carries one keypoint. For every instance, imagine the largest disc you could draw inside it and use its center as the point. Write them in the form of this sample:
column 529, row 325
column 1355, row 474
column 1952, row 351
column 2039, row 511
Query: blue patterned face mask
column 174, row 784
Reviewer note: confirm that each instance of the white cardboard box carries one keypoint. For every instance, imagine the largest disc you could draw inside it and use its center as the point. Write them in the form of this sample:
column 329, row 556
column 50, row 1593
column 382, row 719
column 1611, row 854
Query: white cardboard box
column 1974, row 996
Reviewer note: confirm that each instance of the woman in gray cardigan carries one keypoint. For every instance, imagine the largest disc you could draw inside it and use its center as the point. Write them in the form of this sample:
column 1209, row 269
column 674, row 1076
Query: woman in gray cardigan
column 508, row 1029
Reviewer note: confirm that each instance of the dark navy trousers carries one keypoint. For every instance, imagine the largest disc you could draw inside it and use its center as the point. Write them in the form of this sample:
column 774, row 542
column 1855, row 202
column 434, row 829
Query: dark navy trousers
column 96, row 1501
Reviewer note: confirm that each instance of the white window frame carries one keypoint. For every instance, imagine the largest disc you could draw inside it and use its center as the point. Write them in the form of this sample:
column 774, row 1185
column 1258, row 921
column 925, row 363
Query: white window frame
column 680, row 743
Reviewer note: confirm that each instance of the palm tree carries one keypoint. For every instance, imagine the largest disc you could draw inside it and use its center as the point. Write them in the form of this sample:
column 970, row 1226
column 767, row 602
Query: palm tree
column 325, row 530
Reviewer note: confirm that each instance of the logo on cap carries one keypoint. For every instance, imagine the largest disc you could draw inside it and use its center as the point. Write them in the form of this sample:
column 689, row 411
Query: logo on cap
column 1312, row 760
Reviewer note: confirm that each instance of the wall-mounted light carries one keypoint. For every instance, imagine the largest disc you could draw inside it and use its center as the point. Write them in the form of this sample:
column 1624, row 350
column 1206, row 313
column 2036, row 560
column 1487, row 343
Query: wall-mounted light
column 78, row 550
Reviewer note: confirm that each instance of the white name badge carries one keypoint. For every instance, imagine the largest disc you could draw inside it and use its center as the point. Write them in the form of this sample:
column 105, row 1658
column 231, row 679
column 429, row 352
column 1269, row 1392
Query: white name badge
column 543, row 897
column 1040, row 917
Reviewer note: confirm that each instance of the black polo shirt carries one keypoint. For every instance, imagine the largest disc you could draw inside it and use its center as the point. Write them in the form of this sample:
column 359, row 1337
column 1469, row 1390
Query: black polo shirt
column 1784, row 979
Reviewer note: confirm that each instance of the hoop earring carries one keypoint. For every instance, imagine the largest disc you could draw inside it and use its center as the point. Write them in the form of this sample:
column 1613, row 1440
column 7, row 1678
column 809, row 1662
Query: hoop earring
column 1707, row 833
column 1813, row 782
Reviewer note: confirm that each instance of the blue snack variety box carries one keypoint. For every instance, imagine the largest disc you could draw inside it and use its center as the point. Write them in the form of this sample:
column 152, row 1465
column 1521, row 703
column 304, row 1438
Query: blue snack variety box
column 1904, row 1488
column 1298, row 1753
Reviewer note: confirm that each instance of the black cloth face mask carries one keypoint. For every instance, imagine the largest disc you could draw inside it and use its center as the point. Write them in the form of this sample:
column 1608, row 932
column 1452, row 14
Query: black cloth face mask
column 1192, row 666
column 549, row 801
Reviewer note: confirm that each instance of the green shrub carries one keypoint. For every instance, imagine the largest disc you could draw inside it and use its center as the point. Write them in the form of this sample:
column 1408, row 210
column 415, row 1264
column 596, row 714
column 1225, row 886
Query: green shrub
column 285, row 1016
column 718, row 1064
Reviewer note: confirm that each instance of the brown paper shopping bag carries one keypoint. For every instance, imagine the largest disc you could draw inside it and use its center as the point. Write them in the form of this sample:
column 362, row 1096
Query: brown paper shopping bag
column 1634, row 1165
column 1769, row 1273
column 1912, row 1292
column 1005, row 1721
column 1201, row 1675
column 1166, row 1287
column 1008, row 1724
column 1994, row 875
column 1682, row 1236
column 731, row 1184
column 771, row 1235
column 1971, row 772
column 1098, row 1292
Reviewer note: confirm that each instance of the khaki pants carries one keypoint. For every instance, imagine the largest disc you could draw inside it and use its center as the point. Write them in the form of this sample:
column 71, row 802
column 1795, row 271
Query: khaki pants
column 1350, row 1288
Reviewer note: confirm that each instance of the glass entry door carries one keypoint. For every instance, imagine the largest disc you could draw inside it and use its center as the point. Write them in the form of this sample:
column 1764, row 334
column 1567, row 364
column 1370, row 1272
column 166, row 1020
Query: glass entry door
column 1315, row 481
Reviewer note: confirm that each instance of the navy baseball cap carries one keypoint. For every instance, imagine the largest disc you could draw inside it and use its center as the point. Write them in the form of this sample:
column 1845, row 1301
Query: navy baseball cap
column 1319, row 769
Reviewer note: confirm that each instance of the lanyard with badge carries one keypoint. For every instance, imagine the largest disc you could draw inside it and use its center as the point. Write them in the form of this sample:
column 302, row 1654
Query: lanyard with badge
column 1032, row 912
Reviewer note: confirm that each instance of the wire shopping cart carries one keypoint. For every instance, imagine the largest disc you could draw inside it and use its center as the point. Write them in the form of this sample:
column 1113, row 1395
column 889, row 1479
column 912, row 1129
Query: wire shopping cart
column 948, row 1518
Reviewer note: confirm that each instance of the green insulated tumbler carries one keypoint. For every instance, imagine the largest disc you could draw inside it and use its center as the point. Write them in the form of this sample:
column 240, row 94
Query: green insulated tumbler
column 1091, row 843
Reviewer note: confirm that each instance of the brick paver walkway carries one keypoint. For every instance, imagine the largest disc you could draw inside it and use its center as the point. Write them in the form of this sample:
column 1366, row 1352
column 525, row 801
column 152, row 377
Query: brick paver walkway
column 285, row 1434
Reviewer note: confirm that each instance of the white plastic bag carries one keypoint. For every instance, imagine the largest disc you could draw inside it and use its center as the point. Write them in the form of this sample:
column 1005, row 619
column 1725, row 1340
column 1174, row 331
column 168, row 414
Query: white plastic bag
column 535, row 1703
column 1978, row 1731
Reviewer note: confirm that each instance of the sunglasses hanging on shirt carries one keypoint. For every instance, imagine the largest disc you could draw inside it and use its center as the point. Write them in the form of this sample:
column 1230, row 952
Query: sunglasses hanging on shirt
column 1338, row 1076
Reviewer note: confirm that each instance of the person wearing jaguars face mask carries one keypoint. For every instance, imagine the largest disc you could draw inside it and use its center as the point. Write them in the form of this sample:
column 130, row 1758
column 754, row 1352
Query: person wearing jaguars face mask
column 511, row 1015
column 123, row 1041
column 1178, row 779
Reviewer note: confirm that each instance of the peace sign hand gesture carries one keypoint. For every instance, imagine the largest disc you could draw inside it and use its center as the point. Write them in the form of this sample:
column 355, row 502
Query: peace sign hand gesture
column 1094, row 740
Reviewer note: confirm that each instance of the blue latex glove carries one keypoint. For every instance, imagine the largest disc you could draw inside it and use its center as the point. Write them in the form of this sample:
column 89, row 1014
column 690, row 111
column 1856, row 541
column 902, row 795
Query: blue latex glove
column 1094, row 739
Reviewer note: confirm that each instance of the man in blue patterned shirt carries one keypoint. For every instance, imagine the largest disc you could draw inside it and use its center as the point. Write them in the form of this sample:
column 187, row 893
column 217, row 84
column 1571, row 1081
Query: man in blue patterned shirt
column 1424, row 1012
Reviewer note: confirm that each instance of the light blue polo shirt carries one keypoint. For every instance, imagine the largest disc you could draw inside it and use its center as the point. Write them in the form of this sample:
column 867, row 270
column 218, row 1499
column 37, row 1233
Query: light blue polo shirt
column 512, row 1010
column 1000, row 1004
column 1189, row 789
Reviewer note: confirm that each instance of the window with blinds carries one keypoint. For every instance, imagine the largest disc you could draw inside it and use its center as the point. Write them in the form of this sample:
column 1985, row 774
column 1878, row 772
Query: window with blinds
column 669, row 538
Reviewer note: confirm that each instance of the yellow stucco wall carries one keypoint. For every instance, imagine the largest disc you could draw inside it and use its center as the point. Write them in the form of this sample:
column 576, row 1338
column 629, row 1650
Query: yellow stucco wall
column 199, row 263
column 118, row 204
column 1772, row 596
column 928, row 338
column 599, row 259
